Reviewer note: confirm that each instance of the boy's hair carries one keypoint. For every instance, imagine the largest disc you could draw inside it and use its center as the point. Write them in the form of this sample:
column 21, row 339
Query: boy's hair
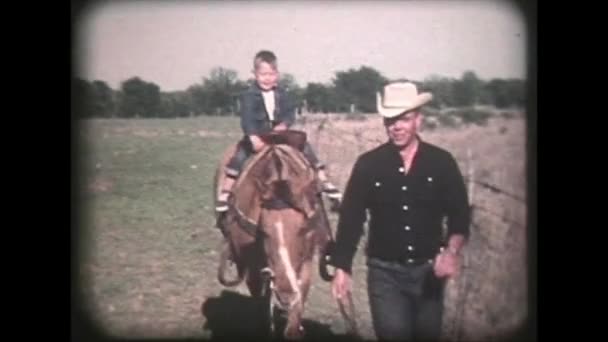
column 265, row 56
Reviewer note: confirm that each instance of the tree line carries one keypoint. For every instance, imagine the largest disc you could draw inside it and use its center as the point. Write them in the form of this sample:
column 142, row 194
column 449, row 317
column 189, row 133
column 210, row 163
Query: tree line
column 349, row 91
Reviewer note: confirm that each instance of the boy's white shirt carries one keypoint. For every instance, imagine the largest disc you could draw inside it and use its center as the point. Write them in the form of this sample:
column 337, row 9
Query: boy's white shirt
column 269, row 103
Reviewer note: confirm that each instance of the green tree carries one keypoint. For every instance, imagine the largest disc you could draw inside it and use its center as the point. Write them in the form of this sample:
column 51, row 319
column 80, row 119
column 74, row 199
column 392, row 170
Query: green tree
column 139, row 99
column 358, row 87
column 198, row 99
column 507, row 92
column 466, row 90
column 442, row 89
column 102, row 98
column 288, row 81
column 82, row 104
column 175, row 104
column 318, row 98
column 221, row 90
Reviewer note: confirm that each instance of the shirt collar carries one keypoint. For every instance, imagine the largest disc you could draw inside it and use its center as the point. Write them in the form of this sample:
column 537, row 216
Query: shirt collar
column 257, row 89
column 395, row 149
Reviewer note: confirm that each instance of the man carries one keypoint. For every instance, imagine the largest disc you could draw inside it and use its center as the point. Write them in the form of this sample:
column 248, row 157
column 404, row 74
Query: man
column 408, row 186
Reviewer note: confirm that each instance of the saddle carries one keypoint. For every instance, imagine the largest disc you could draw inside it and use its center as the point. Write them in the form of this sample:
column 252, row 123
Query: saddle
column 245, row 202
column 293, row 138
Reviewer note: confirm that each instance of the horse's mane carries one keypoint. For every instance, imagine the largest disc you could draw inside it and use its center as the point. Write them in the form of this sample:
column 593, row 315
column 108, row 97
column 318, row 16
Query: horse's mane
column 277, row 174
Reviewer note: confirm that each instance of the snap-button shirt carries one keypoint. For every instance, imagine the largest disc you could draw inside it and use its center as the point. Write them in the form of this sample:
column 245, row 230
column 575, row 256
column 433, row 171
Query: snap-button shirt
column 406, row 210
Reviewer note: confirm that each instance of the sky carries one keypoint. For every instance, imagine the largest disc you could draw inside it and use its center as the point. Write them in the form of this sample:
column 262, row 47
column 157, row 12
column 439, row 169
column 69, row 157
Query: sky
column 175, row 44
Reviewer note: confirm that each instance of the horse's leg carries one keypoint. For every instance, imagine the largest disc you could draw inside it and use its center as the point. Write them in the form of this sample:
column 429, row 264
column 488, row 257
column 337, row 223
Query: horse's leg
column 294, row 327
column 306, row 269
column 256, row 261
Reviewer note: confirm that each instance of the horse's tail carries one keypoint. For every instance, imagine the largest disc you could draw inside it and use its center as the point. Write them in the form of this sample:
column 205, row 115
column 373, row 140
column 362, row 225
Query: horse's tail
column 221, row 276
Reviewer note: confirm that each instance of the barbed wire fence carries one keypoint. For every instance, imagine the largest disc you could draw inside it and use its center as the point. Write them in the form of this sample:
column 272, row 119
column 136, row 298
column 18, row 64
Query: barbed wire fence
column 454, row 326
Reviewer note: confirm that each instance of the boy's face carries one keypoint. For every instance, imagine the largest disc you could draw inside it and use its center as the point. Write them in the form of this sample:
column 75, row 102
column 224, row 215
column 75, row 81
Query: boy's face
column 266, row 76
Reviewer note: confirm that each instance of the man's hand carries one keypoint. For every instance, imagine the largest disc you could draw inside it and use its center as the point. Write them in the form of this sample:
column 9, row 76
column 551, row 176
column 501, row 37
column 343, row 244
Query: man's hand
column 446, row 264
column 257, row 143
column 280, row 127
column 342, row 284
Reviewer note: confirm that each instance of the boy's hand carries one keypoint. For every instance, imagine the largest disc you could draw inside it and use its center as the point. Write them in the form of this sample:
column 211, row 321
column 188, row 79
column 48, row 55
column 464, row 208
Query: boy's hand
column 257, row 143
column 280, row 127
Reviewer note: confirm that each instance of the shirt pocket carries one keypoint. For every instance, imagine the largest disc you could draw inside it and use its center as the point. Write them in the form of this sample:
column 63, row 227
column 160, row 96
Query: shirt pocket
column 383, row 191
column 426, row 189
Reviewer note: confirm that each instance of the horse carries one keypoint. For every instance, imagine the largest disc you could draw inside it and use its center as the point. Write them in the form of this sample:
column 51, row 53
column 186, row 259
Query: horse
column 275, row 224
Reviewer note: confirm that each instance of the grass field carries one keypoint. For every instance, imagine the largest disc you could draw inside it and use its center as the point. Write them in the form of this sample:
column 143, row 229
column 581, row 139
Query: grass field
column 149, row 252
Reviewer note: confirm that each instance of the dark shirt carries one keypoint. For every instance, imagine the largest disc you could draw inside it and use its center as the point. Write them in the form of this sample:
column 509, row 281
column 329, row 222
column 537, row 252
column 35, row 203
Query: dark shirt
column 255, row 119
column 406, row 211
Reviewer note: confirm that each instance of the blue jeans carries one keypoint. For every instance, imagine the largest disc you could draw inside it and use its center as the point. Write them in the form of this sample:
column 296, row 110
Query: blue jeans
column 244, row 151
column 406, row 301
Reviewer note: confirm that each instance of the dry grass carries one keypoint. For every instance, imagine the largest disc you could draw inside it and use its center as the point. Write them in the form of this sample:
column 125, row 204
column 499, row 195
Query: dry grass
column 490, row 298
column 150, row 252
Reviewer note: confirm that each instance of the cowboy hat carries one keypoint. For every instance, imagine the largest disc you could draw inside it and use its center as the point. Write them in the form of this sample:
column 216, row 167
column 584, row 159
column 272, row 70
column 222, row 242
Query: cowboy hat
column 400, row 97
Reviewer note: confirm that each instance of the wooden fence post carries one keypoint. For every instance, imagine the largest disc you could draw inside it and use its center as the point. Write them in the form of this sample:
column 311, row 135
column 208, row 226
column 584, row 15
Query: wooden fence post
column 471, row 176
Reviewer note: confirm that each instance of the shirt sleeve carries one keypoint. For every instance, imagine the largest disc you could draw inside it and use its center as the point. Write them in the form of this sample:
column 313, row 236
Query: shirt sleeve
column 247, row 114
column 351, row 220
column 456, row 201
column 288, row 109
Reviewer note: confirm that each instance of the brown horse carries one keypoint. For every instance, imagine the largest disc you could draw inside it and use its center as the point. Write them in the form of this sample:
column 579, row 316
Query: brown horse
column 273, row 226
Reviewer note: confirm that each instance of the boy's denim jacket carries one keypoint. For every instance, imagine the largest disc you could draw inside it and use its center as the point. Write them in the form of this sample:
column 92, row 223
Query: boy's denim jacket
column 254, row 119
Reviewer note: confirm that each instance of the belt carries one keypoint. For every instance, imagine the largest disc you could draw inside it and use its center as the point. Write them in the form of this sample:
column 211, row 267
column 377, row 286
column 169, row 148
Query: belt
column 415, row 261
column 401, row 262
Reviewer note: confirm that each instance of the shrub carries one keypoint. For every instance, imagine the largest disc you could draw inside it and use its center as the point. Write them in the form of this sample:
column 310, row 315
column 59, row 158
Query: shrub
column 355, row 117
column 507, row 115
column 448, row 120
column 474, row 116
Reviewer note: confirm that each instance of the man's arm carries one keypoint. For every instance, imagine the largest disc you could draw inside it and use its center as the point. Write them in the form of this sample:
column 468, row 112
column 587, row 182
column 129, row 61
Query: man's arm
column 350, row 229
column 456, row 206
column 455, row 243
column 287, row 111
column 352, row 218
column 247, row 114
column 459, row 218
column 248, row 124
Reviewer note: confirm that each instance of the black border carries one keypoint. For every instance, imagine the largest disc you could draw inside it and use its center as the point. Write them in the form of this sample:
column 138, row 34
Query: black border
column 82, row 328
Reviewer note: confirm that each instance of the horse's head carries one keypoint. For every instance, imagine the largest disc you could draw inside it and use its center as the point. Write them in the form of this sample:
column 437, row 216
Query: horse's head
column 285, row 180
column 287, row 189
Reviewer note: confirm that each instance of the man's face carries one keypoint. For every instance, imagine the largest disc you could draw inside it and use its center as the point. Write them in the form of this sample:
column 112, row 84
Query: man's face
column 266, row 76
column 402, row 129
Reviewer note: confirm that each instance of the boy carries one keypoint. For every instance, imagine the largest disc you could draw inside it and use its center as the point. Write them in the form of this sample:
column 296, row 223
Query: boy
column 265, row 107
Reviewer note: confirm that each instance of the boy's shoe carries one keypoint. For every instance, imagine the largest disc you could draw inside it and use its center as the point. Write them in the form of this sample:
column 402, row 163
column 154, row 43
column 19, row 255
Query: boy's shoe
column 222, row 202
column 331, row 191
column 334, row 195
